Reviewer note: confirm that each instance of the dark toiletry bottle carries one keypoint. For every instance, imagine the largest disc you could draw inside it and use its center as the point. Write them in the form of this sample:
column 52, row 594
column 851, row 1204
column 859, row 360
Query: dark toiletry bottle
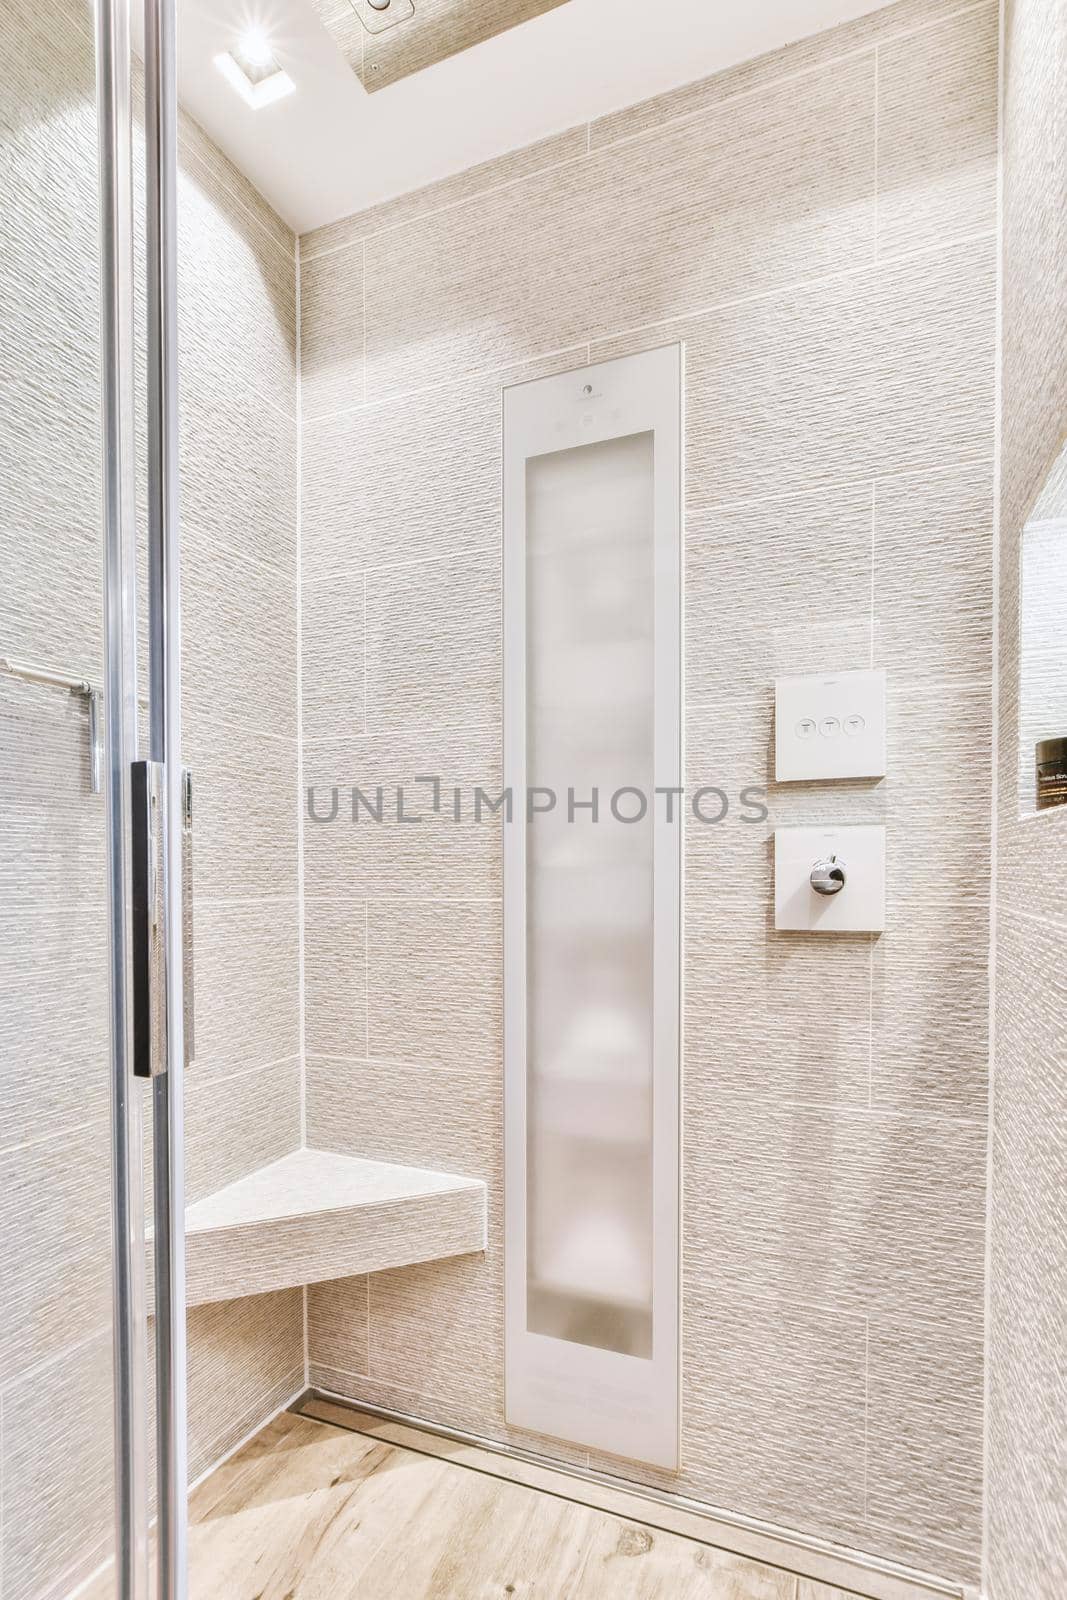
column 1051, row 762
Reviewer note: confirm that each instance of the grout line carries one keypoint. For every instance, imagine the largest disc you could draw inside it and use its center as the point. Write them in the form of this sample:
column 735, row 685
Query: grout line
column 877, row 92
column 957, row 464
column 61, row 1586
column 924, row 688
column 57, row 1136
column 233, row 1449
column 442, row 1069
column 30, row 1374
column 407, row 899
column 451, row 205
column 253, row 392
column 430, row 730
column 278, row 1408
column 782, row 80
column 696, row 314
column 866, row 1408
column 734, row 1100
column 363, row 289
column 202, row 1078
column 215, row 902
column 264, row 400
column 185, row 151
column 366, row 974
column 461, row 378
column 874, row 561
column 652, row 131
column 366, row 654
column 301, row 931
column 487, row 552
column 801, row 285
column 870, row 1025
column 214, row 543
column 307, row 1360
column 696, row 509
column 238, row 725
column 1053, row 924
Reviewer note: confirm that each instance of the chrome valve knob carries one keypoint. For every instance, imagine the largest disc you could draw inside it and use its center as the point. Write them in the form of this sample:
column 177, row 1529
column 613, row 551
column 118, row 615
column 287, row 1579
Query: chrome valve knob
column 828, row 876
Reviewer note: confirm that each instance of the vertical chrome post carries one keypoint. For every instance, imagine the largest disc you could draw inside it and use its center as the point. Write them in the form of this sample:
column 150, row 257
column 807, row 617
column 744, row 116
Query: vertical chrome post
column 165, row 748
column 120, row 735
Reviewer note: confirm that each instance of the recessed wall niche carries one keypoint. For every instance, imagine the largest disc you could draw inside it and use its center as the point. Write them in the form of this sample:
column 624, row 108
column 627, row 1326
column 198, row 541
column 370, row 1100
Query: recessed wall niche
column 1043, row 648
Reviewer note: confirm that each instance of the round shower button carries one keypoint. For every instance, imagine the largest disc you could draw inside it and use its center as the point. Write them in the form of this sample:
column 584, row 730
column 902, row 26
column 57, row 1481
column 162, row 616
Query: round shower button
column 829, row 727
column 855, row 724
column 805, row 728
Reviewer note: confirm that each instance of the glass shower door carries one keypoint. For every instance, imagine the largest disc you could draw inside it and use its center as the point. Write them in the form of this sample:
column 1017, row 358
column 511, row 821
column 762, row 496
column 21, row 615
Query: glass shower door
column 63, row 691
column 74, row 1329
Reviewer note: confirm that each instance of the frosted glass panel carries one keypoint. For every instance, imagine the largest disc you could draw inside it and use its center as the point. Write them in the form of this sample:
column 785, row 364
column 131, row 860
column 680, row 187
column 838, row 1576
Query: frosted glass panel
column 590, row 676
column 592, row 491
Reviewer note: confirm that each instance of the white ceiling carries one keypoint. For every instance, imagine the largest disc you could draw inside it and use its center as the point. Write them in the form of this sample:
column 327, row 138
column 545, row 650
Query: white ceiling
column 331, row 149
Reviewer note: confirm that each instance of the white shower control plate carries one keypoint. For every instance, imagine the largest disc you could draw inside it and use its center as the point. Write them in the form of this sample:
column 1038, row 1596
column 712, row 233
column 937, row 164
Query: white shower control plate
column 858, row 908
column 830, row 725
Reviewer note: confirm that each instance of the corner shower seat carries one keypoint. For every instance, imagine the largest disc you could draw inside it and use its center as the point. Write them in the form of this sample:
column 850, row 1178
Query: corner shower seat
column 314, row 1215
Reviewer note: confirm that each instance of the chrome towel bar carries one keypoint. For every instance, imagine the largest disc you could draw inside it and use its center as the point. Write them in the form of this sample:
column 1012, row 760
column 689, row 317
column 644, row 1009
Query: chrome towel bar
column 31, row 672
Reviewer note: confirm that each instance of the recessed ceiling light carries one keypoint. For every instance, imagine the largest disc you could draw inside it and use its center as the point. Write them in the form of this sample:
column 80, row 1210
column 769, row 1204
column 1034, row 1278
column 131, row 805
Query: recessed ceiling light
column 251, row 68
column 253, row 46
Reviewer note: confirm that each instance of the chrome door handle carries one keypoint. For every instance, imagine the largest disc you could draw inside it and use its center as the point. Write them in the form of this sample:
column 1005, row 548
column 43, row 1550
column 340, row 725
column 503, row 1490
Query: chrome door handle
column 147, row 910
column 148, row 913
column 188, row 971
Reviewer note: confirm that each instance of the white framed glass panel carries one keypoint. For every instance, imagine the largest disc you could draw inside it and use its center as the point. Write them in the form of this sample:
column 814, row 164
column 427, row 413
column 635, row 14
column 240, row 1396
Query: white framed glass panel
column 592, row 496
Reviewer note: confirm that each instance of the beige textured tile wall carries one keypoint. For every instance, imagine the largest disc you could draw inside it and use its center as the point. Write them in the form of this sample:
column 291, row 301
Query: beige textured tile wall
column 241, row 1369
column 238, row 460
column 508, row 300
column 1027, row 1536
column 58, row 1473
column 819, row 228
column 246, row 1359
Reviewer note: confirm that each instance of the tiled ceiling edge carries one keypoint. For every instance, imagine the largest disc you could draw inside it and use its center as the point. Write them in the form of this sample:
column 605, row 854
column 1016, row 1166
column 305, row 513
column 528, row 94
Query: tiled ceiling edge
column 381, row 54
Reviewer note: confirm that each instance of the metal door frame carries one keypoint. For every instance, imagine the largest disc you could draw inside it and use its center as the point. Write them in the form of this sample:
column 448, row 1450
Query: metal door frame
column 129, row 933
column 164, row 700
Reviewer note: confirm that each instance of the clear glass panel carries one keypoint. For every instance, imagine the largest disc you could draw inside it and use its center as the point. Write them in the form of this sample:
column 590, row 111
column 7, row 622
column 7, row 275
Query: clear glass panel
column 589, row 686
column 55, row 1171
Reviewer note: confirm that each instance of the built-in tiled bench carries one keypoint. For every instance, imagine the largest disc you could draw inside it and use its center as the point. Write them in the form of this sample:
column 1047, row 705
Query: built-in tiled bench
column 314, row 1215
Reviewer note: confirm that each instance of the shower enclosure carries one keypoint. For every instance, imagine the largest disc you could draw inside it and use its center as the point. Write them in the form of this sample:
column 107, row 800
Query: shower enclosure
column 545, row 440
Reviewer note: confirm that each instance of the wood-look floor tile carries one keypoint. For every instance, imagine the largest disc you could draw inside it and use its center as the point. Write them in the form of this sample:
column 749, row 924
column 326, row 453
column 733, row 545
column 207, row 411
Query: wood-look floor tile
column 310, row 1511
